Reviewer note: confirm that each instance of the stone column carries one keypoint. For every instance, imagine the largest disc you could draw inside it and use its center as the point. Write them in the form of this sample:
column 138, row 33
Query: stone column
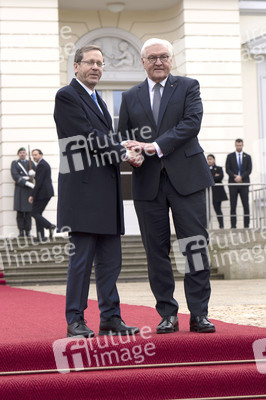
column 29, row 77
column 210, row 50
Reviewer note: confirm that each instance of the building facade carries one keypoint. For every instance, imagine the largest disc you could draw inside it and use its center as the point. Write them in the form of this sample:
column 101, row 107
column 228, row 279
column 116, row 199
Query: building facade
column 222, row 43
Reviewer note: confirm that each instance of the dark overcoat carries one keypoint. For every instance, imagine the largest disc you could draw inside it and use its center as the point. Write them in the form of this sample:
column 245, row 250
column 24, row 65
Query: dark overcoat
column 89, row 186
column 22, row 192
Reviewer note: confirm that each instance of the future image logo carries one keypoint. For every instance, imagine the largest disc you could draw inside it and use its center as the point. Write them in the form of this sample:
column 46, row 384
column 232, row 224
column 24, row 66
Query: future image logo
column 259, row 349
column 80, row 353
column 192, row 248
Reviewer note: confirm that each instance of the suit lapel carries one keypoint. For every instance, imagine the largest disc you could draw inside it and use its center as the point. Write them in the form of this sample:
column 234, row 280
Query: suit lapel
column 235, row 161
column 144, row 98
column 105, row 111
column 244, row 159
column 105, row 117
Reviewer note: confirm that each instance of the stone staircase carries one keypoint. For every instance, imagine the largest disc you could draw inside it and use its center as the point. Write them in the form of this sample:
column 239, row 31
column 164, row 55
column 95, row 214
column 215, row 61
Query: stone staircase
column 27, row 263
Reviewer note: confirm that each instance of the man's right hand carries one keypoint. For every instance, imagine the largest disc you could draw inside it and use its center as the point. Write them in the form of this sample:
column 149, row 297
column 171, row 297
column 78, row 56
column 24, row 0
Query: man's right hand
column 134, row 158
column 238, row 178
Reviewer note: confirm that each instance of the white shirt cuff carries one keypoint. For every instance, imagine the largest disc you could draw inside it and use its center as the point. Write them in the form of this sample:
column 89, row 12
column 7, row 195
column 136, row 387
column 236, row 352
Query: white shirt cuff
column 158, row 150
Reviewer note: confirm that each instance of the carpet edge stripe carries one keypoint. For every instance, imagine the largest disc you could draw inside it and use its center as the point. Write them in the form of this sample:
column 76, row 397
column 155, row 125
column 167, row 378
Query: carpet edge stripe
column 117, row 367
column 251, row 397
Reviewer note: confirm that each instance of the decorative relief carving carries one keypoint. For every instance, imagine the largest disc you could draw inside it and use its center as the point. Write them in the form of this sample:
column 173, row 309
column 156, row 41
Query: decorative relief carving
column 119, row 54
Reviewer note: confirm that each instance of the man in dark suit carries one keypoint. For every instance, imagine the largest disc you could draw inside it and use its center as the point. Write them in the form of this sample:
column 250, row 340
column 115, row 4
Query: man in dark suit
column 174, row 174
column 23, row 176
column 238, row 167
column 218, row 192
column 41, row 195
column 89, row 196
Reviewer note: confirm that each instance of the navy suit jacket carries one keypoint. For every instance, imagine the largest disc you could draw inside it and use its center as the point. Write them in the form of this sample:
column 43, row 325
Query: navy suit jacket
column 231, row 166
column 43, row 189
column 89, row 187
column 176, row 134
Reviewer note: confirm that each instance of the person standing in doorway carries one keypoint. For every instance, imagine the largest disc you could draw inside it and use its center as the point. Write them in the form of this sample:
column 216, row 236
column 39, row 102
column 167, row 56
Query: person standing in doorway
column 218, row 192
column 24, row 185
column 239, row 167
column 41, row 195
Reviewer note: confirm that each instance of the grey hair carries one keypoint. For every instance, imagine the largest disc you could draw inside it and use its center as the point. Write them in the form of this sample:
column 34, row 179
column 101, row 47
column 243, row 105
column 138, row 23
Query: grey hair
column 153, row 41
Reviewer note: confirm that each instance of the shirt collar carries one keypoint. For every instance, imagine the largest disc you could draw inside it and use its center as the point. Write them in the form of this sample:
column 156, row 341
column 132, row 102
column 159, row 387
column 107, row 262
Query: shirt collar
column 85, row 87
column 152, row 83
column 237, row 153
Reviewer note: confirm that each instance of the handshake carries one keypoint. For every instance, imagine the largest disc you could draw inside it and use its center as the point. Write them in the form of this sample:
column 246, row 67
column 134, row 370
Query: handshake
column 135, row 150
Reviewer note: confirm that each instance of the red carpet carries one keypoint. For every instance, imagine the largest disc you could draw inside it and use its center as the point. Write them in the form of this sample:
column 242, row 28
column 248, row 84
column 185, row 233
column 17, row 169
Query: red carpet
column 32, row 321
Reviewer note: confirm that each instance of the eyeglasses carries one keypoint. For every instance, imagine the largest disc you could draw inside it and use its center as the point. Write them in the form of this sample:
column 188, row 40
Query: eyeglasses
column 92, row 62
column 153, row 59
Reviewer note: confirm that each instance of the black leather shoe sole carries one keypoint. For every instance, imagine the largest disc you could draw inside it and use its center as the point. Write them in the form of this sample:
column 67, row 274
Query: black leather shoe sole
column 168, row 330
column 118, row 333
column 86, row 335
column 202, row 330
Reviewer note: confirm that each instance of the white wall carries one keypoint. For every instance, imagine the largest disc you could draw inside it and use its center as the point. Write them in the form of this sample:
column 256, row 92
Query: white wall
column 29, row 80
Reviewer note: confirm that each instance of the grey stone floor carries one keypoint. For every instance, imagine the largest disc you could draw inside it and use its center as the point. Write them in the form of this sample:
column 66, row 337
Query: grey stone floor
column 236, row 301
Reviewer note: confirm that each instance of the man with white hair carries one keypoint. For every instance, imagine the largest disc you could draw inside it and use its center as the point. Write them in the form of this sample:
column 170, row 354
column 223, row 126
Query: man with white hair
column 174, row 174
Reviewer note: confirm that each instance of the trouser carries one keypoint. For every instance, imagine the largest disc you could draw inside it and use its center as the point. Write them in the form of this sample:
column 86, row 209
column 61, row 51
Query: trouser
column 218, row 210
column 38, row 208
column 189, row 216
column 105, row 252
column 24, row 221
column 244, row 192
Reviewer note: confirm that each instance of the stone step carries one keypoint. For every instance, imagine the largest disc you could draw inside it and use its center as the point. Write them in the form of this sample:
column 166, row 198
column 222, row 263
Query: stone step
column 60, row 277
column 22, row 260
column 27, row 263
column 62, row 280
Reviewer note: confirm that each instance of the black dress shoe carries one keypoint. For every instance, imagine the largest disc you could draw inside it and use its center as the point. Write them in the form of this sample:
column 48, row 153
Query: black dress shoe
column 79, row 329
column 168, row 324
column 201, row 324
column 51, row 231
column 115, row 327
